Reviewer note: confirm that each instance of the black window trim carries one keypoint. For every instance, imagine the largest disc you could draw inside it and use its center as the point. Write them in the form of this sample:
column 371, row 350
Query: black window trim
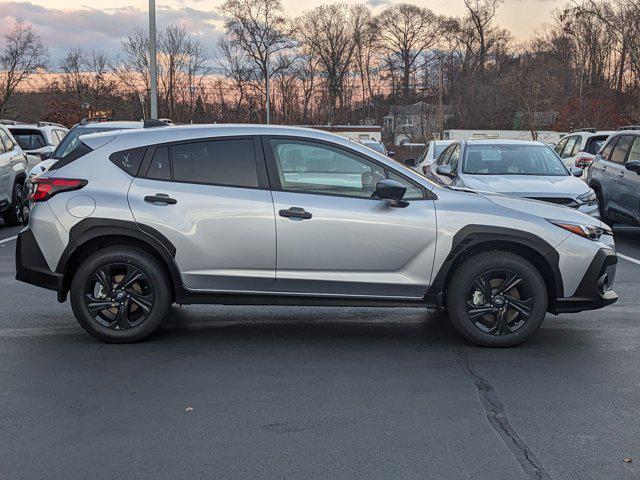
column 274, row 179
column 263, row 181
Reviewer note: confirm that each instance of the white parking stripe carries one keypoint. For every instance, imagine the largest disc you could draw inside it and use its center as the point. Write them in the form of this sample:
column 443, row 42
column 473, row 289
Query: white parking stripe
column 631, row 259
column 7, row 240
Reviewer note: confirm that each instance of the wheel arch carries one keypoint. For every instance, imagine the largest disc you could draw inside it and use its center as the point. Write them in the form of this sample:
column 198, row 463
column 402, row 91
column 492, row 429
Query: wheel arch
column 90, row 235
column 475, row 239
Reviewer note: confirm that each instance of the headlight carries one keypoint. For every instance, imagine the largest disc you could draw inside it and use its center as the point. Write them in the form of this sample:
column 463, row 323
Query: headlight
column 588, row 198
column 591, row 232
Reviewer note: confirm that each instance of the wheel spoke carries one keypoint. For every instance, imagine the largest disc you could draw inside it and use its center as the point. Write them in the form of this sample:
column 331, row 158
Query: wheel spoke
column 478, row 312
column 501, row 327
column 132, row 275
column 95, row 305
column 483, row 286
column 523, row 307
column 143, row 301
column 512, row 281
column 105, row 281
column 122, row 318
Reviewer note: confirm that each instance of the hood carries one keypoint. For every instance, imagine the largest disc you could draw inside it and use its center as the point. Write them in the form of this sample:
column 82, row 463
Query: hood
column 545, row 210
column 527, row 185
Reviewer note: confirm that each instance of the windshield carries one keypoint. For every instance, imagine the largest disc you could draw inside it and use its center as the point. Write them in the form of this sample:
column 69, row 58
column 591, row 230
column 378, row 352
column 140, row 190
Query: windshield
column 512, row 160
column 70, row 141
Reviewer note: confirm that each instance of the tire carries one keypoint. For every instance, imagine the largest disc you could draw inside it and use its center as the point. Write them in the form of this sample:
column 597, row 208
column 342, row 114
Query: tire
column 475, row 300
column 603, row 215
column 15, row 215
column 128, row 291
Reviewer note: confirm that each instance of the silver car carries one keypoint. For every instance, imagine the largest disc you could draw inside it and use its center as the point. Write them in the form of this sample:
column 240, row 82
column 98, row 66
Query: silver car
column 514, row 167
column 13, row 171
column 130, row 222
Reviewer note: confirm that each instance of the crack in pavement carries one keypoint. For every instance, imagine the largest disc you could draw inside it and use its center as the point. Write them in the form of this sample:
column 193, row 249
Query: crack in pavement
column 497, row 417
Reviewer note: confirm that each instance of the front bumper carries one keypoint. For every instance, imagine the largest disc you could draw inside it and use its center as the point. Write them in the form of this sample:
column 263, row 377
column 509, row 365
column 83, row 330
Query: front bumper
column 31, row 266
column 596, row 287
column 592, row 210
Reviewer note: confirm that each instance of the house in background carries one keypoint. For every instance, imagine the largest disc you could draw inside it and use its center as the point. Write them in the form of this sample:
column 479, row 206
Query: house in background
column 415, row 123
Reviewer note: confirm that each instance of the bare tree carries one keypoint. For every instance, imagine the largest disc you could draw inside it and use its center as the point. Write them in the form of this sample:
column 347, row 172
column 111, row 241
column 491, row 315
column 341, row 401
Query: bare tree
column 23, row 55
column 407, row 31
column 261, row 30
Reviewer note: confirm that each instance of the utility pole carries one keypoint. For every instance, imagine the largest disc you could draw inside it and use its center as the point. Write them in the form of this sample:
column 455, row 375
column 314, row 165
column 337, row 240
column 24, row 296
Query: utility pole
column 152, row 59
column 267, row 82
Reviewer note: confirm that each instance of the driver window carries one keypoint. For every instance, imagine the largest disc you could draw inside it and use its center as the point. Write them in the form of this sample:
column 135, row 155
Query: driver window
column 569, row 147
column 453, row 160
column 8, row 144
column 309, row 167
column 444, row 156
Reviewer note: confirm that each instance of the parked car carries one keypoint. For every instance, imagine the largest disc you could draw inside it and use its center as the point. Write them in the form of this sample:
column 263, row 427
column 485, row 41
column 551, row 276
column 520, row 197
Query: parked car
column 579, row 147
column 615, row 177
column 520, row 168
column 429, row 155
column 38, row 141
column 13, row 171
column 130, row 222
column 70, row 142
column 376, row 145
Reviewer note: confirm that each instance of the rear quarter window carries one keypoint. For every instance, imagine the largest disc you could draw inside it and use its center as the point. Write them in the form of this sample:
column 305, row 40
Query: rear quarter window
column 129, row 160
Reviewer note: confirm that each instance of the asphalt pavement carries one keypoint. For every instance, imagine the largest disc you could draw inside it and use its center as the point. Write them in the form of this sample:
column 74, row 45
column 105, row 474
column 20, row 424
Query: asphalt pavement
column 317, row 393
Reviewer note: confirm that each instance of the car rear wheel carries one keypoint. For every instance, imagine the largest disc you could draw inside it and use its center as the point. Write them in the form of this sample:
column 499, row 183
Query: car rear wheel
column 120, row 294
column 15, row 215
column 497, row 299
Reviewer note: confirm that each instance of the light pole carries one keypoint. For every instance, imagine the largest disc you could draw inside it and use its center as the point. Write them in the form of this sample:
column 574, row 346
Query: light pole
column 152, row 59
column 267, row 82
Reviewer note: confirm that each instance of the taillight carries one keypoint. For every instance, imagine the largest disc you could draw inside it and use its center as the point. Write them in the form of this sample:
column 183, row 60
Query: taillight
column 45, row 188
column 583, row 162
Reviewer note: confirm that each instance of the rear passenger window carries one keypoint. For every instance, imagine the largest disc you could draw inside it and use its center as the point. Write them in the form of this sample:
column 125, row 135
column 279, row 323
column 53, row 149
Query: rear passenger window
column 160, row 169
column 8, row 143
column 129, row 160
column 220, row 162
column 622, row 148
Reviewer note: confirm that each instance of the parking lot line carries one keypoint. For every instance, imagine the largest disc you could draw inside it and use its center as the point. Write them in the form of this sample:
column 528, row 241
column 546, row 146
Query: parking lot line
column 631, row 259
column 6, row 240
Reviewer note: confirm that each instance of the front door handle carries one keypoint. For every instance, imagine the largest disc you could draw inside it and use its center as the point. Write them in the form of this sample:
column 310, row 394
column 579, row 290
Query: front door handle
column 295, row 213
column 160, row 198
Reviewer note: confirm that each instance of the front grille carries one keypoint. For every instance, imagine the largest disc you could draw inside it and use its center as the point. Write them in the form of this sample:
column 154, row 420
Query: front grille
column 569, row 202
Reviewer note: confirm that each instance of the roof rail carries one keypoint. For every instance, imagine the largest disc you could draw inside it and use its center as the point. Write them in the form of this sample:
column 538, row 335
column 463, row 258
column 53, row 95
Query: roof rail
column 629, row 127
column 152, row 123
column 584, row 129
column 85, row 121
column 50, row 124
column 5, row 121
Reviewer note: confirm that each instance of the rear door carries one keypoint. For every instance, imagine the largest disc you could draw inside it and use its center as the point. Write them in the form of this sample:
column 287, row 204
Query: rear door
column 629, row 186
column 211, row 199
column 5, row 175
column 334, row 237
column 614, row 172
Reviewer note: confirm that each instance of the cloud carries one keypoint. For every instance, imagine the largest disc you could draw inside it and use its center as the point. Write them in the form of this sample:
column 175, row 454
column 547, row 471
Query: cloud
column 103, row 29
column 379, row 3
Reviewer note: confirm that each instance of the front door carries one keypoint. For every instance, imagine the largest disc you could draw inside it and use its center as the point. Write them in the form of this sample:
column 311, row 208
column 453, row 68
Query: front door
column 334, row 238
column 210, row 198
column 629, row 186
column 614, row 173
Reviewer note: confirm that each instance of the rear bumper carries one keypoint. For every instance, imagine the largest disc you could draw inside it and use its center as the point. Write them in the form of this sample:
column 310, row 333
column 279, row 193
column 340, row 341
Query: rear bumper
column 31, row 267
column 596, row 287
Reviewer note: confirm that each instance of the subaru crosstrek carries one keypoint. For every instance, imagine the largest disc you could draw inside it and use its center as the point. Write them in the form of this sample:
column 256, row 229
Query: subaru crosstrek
column 130, row 222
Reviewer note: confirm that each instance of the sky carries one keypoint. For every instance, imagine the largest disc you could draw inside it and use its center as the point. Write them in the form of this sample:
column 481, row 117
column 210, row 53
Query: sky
column 101, row 24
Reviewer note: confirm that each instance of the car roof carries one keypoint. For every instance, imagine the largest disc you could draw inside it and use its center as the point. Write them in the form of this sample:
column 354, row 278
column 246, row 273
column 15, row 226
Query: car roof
column 111, row 125
column 504, row 142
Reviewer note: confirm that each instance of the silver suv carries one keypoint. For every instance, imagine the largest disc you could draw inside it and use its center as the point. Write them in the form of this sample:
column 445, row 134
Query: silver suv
column 130, row 222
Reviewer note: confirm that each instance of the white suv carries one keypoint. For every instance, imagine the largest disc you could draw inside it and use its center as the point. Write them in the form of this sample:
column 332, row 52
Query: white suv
column 579, row 148
column 38, row 141
column 13, row 172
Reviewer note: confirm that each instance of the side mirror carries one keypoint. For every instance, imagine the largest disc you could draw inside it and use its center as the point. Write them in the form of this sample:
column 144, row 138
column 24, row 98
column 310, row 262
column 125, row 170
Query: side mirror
column 445, row 171
column 392, row 191
column 633, row 165
column 391, row 153
column 409, row 162
column 576, row 172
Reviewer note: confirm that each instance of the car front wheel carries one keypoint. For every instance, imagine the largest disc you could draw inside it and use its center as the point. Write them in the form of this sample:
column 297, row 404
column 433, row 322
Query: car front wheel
column 15, row 215
column 497, row 299
column 120, row 294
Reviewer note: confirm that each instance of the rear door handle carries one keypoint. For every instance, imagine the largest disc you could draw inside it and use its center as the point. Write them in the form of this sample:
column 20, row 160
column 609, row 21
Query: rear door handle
column 295, row 213
column 160, row 198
